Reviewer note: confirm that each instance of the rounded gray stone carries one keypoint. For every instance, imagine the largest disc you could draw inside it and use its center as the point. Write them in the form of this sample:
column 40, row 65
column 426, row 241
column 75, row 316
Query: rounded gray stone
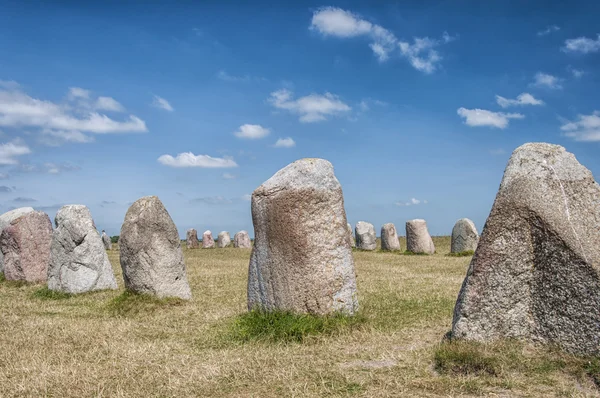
column 365, row 236
column 106, row 241
column 223, row 239
column 207, row 240
column 418, row 239
column 389, row 238
column 241, row 240
column 191, row 239
column 464, row 236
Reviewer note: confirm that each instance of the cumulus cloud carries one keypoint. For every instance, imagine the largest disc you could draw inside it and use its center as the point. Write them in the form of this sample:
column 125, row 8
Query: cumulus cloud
column 252, row 132
column 411, row 202
column 548, row 30
column 285, row 143
column 585, row 128
column 482, row 117
column 78, row 92
column 522, row 99
column 422, row 54
column 162, row 103
column 188, row 159
column 582, row 45
column 547, row 81
column 311, row 108
column 10, row 151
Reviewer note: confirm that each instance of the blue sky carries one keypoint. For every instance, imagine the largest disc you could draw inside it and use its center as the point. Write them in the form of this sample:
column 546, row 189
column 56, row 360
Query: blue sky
column 418, row 105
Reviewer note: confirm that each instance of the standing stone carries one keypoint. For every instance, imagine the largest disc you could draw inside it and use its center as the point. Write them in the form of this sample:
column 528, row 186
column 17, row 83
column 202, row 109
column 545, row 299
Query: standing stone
column 78, row 259
column 5, row 220
column 25, row 244
column 464, row 236
column 365, row 236
column 389, row 237
column 151, row 254
column 301, row 260
column 418, row 239
column 223, row 239
column 191, row 239
column 536, row 272
column 241, row 240
column 105, row 240
column 350, row 235
column 207, row 240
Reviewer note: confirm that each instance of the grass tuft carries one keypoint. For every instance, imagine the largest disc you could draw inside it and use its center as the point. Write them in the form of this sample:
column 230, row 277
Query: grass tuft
column 465, row 358
column 44, row 293
column 409, row 253
column 461, row 254
column 130, row 303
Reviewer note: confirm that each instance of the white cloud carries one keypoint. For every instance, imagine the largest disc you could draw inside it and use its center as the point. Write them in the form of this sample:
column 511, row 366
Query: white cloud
column 411, row 202
column 311, row 108
column 252, row 132
column 421, row 53
column 108, row 104
column 78, row 92
column 11, row 150
column 547, row 81
column 223, row 75
column 58, row 137
column 337, row 22
column 482, row 117
column 228, row 176
column 582, row 45
column 522, row 99
column 212, row 200
column 584, row 128
column 47, row 168
column 577, row 73
column 4, row 176
column 548, row 30
column 285, row 143
column 162, row 103
column 188, row 159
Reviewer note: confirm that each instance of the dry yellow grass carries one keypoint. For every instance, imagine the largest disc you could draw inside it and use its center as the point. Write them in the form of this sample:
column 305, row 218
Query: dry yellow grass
column 109, row 345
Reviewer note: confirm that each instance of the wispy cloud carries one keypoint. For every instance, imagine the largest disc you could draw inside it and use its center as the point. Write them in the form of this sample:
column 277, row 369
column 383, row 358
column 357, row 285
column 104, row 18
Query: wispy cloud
column 5, row 189
column 59, row 137
column 223, row 75
column 285, row 143
column 482, row 117
column 311, row 108
column 188, row 159
column 522, row 99
column 161, row 103
column 548, row 30
column 228, row 176
column 422, row 54
column 497, row 152
column 411, row 202
column 585, row 128
column 252, row 132
column 47, row 168
column 577, row 73
column 582, row 45
column 546, row 81
column 212, row 200
column 10, row 151
column 21, row 199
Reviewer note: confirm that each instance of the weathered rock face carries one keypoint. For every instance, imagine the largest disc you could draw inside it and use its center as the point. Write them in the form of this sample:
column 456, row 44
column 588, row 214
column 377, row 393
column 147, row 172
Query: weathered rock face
column 25, row 244
column 418, row 239
column 5, row 220
column 106, row 241
column 464, row 236
column 536, row 272
column 151, row 254
column 78, row 259
column 301, row 260
column 207, row 240
column 365, row 236
column 241, row 240
column 351, row 239
column 389, row 237
column 191, row 239
column 223, row 239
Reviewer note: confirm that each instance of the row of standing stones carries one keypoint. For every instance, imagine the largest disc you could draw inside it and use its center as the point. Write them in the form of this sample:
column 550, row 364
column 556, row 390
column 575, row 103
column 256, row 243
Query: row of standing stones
column 535, row 274
column 241, row 240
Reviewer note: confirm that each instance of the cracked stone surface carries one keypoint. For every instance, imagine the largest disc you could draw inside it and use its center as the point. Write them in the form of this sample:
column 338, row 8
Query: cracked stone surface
column 389, row 238
column 223, row 239
column 351, row 239
column 5, row 220
column 536, row 272
column 464, row 236
column 365, row 236
column 241, row 240
column 191, row 239
column 301, row 260
column 418, row 239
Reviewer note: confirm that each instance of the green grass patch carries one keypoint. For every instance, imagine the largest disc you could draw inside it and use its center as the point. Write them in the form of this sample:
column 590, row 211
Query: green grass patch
column 129, row 303
column 409, row 253
column 461, row 254
column 285, row 326
column 44, row 293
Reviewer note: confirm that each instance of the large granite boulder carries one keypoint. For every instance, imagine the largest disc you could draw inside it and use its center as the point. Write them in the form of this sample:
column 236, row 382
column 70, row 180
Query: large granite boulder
column 301, row 260
column 106, row 241
column 464, row 236
column 536, row 272
column 351, row 239
column 389, row 238
column 151, row 254
column 241, row 240
column 365, row 236
column 418, row 239
column 25, row 244
column 191, row 239
column 207, row 240
column 223, row 239
column 5, row 220
column 78, row 259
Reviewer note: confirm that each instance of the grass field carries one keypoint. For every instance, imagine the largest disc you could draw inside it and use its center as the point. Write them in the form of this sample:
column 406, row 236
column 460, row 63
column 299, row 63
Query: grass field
column 113, row 344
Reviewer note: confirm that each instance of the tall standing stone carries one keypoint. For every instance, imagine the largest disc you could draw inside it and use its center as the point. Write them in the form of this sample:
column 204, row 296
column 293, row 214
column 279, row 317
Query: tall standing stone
column 191, row 239
column 25, row 244
column 207, row 240
column 106, row 241
column 78, row 259
column 418, row 239
column 241, row 240
column 151, row 254
column 464, row 236
column 223, row 239
column 301, row 260
column 351, row 239
column 536, row 272
column 389, row 238
column 365, row 236
column 5, row 220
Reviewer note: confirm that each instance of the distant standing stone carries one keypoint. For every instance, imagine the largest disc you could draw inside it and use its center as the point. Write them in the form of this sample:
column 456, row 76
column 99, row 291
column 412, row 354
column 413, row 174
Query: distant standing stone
column 78, row 259
column 191, row 239
column 5, row 220
column 464, row 236
column 389, row 238
column 106, row 241
column 241, row 240
column 25, row 244
column 151, row 254
column 365, row 236
column 207, row 240
column 351, row 239
column 223, row 239
column 418, row 239
column 301, row 260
